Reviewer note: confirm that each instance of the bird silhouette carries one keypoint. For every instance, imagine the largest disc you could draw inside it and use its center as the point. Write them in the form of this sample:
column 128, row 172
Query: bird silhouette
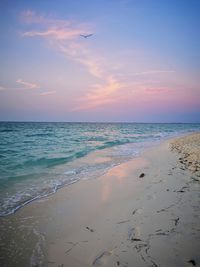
column 86, row 35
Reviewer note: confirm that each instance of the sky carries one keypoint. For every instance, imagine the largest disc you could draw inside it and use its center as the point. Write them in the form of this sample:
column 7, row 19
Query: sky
column 142, row 63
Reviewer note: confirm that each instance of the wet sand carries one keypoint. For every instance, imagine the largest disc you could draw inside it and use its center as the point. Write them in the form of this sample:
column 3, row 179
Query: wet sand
column 144, row 212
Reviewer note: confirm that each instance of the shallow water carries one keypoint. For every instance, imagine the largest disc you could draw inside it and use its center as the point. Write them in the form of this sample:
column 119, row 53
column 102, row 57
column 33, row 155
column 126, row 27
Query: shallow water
column 38, row 158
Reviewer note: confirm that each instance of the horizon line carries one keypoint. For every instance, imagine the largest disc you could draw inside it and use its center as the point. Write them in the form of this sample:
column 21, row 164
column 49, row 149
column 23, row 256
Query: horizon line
column 130, row 122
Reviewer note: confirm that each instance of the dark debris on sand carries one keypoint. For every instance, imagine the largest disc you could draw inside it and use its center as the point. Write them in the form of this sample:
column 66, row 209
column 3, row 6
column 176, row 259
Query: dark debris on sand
column 90, row 229
column 193, row 262
column 142, row 175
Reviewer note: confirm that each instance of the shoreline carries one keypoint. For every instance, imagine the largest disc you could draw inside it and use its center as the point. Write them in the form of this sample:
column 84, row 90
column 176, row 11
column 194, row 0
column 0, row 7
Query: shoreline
column 103, row 154
column 112, row 220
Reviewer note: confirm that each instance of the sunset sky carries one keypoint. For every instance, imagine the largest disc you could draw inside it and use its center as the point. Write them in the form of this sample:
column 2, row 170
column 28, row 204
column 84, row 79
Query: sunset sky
column 142, row 62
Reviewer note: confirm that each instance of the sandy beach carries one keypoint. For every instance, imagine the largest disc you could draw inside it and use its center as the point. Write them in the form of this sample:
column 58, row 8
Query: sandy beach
column 145, row 212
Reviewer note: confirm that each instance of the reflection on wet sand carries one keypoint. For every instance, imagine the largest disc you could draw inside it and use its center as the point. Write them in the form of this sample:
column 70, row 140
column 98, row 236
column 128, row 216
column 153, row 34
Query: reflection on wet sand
column 118, row 176
column 118, row 219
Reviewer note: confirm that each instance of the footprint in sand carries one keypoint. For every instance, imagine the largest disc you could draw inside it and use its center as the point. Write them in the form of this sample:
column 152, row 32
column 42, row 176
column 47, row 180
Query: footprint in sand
column 137, row 211
column 90, row 229
column 134, row 234
column 101, row 258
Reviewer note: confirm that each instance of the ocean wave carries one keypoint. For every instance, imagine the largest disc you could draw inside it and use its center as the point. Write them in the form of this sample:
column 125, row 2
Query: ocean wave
column 97, row 139
column 114, row 143
column 6, row 130
column 30, row 171
column 51, row 162
column 40, row 135
column 11, row 204
column 48, row 162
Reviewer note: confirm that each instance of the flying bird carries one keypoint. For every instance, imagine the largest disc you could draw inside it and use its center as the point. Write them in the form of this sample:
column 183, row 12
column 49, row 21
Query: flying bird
column 86, row 35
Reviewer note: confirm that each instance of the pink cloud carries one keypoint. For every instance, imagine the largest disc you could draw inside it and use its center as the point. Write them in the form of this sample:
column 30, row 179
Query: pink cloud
column 48, row 93
column 55, row 28
column 80, row 53
column 159, row 90
column 100, row 95
column 64, row 36
column 152, row 99
column 31, row 17
column 56, row 33
column 27, row 85
column 153, row 72
column 76, row 49
column 93, row 66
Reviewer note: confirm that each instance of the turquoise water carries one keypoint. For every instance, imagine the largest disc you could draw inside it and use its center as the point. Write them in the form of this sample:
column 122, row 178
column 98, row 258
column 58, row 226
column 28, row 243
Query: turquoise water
column 38, row 158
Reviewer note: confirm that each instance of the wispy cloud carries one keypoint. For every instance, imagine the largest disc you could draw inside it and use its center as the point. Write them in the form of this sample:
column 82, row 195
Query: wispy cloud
column 56, row 29
column 31, row 17
column 65, row 37
column 159, row 90
column 93, row 66
column 23, row 85
column 100, row 95
column 48, row 93
column 57, row 34
column 27, row 85
column 152, row 72
column 82, row 54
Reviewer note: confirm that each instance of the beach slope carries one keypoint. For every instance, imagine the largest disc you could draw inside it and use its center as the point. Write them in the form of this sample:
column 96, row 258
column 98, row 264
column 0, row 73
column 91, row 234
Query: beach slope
column 144, row 212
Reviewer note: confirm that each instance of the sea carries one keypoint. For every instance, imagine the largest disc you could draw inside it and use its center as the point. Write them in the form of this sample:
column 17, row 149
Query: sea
column 38, row 158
